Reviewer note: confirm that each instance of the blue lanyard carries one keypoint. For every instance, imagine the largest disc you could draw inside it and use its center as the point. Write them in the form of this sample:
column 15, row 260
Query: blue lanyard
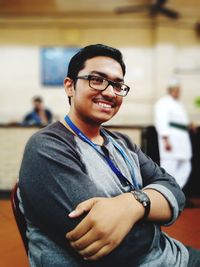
column 121, row 177
column 122, row 152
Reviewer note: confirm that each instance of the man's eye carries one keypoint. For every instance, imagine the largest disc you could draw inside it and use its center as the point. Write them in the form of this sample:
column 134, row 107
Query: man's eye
column 97, row 80
column 118, row 86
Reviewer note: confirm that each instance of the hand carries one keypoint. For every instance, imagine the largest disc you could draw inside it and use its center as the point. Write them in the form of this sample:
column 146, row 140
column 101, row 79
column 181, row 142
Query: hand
column 167, row 144
column 105, row 226
column 193, row 127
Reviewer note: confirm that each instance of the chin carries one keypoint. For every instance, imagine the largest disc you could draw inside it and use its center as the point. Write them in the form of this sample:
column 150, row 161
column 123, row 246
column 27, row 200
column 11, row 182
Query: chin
column 103, row 119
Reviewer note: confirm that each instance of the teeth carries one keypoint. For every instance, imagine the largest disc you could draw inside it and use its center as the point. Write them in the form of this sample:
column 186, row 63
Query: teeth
column 104, row 105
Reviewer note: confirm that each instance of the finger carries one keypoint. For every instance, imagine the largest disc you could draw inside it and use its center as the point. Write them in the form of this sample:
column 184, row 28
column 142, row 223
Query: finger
column 85, row 241
column 80, row 230
column 105, row 250
column 92, row 250
column 84, row 206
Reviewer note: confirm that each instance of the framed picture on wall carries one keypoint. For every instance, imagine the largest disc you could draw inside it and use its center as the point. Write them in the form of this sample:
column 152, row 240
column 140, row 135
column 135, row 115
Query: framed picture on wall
column 54, row 64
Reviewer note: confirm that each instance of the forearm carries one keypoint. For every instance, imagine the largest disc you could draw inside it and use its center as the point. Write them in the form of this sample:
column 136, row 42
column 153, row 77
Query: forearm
column 160, row 209
column 108, row 222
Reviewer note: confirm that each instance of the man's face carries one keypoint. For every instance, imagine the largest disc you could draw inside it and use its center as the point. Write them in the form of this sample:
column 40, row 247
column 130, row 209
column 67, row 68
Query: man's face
column 94, row 106
column 38, row 105
column 175, row 92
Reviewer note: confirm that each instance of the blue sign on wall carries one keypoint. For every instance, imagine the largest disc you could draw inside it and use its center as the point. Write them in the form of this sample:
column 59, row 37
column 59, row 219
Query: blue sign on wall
column 54, row 64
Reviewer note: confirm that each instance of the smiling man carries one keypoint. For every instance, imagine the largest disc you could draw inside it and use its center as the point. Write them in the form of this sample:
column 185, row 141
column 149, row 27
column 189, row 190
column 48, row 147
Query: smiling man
column 91, row 106
column 90, row 196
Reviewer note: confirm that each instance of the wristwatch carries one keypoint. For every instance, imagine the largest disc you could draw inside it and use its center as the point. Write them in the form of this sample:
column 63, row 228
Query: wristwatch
column 143, row 198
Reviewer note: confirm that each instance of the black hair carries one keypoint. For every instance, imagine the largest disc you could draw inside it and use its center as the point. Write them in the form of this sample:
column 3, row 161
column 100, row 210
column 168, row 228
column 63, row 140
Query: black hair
column 37, row 99
column 77, row 62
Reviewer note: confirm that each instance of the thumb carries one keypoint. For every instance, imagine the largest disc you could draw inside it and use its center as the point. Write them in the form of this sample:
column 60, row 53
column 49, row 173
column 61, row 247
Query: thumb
column 84, row 206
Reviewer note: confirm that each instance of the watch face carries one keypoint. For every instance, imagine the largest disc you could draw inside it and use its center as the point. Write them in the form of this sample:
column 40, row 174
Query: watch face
column 141, row 196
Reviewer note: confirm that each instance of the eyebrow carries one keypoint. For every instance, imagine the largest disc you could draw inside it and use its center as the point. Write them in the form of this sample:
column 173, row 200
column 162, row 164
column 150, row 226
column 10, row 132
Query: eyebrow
column 102, row 74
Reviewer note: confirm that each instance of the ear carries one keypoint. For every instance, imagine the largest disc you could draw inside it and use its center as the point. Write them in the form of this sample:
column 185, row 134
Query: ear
column 69, row 86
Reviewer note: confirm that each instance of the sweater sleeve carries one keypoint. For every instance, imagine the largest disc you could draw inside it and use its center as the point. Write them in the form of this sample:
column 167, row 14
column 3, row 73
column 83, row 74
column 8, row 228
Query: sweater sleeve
column 158, row 179
column 52, row 182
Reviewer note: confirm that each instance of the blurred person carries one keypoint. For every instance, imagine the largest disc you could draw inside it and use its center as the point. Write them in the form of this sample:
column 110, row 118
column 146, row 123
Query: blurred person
column 39, row 116
column 172, row 125
column 90, row 196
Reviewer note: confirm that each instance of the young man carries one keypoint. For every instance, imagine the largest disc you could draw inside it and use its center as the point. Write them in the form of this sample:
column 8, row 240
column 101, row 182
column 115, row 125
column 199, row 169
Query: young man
column 90, row 196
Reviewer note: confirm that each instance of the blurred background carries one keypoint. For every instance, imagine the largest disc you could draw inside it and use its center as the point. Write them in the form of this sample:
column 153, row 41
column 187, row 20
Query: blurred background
column 159, row 40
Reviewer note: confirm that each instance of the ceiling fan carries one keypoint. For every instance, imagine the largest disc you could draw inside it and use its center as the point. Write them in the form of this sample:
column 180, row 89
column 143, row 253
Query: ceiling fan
column 155, row 8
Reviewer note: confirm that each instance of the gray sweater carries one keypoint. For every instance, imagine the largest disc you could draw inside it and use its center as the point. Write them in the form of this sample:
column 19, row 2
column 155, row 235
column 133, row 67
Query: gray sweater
column 59, row 171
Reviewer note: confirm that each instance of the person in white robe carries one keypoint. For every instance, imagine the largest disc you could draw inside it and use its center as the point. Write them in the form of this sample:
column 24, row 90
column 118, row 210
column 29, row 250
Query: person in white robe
column 172, row 124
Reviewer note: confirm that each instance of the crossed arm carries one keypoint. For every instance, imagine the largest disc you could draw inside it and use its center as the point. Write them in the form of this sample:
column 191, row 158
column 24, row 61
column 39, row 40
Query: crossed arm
column 109, row 220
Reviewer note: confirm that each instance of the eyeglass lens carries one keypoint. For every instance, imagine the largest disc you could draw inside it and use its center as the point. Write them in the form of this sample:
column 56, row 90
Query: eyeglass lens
column 100, row 83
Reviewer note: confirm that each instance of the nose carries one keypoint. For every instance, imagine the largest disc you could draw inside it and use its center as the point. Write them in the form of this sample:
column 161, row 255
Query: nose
column 109, row 91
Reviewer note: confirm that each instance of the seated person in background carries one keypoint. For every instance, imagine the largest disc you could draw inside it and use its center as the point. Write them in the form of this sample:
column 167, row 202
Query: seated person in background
column 40, row 115
column 90, row 196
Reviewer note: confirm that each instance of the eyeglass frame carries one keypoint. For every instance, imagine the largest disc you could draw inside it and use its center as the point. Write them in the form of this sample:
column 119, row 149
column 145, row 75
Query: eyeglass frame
column 89, row 78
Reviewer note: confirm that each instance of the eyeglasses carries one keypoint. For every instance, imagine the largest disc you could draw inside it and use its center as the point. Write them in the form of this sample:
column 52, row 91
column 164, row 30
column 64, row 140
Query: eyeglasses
column 100, row 83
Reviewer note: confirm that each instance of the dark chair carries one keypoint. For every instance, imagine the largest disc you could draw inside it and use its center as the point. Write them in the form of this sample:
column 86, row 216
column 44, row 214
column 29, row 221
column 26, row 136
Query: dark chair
column 149, row 143
column 192, row 187
column 19, row 216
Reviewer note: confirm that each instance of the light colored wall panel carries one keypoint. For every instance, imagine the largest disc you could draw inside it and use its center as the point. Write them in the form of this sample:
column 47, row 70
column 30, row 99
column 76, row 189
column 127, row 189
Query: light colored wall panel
column 152, row 51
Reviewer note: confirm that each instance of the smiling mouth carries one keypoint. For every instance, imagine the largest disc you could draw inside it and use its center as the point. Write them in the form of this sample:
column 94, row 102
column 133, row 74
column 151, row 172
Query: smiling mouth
column 104, row 105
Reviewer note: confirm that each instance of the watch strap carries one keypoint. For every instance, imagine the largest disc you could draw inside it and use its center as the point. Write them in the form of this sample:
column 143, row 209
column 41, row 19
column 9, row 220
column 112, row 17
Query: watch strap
column 144, row 199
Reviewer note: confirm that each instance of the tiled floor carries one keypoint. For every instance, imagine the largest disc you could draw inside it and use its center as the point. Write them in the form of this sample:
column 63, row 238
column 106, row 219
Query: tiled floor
column 12, row 253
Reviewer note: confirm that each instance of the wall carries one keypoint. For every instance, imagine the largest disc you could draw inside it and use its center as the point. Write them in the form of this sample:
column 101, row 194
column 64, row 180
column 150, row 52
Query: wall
column 21, row 79
column 152, row 51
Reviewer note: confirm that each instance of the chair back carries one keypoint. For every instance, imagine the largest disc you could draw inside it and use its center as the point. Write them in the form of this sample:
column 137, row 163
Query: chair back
column 149, row 143
column 19, row 217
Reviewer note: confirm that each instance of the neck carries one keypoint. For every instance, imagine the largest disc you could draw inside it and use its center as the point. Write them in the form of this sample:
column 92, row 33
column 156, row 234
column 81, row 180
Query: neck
column 92, row 131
